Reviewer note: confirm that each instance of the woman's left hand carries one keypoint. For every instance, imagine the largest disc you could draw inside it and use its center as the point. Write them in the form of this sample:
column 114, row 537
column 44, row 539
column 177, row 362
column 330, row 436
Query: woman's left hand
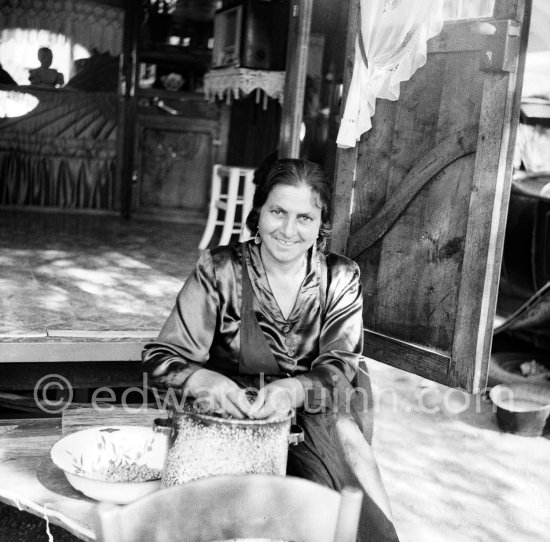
column 277, row 398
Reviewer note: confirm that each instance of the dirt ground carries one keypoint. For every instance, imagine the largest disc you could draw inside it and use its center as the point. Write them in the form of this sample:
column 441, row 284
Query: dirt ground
column 16, row 526
column 450, row 473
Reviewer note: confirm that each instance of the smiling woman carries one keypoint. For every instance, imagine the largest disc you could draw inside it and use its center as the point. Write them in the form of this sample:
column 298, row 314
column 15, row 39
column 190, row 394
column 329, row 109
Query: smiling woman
column 288, row 224
column 278, row 315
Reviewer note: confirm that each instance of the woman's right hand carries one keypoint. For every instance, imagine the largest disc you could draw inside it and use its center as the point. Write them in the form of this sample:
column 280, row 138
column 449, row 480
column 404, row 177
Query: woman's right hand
column 217, row 393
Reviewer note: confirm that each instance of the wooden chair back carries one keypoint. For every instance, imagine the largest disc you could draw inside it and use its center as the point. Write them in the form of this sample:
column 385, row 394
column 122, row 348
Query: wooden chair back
column 229, row 507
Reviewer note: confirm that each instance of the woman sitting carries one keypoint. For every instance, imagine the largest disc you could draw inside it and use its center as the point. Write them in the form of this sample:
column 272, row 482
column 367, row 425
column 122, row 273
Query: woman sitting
column 279, row 314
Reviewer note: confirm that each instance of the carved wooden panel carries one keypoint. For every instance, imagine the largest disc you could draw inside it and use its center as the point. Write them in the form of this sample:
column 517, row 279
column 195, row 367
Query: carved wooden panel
column 176, row 156
column 175, row 167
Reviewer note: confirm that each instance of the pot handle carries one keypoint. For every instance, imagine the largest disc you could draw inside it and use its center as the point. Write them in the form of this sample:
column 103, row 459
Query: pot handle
column 162, row 425
column 296, row 435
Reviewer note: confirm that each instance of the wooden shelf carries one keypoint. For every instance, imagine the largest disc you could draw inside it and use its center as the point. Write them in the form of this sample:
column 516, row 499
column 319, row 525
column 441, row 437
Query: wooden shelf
column 176, row 56
column 180, row 95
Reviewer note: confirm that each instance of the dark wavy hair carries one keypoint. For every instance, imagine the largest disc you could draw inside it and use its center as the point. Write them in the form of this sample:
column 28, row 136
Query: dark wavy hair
column 294, row 172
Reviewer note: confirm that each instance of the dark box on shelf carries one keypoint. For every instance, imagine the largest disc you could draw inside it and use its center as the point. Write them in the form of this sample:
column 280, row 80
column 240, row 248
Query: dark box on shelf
column 251, row 34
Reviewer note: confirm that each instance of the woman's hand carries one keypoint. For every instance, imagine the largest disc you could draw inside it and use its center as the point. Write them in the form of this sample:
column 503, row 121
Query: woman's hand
column 277, row 398
column 217, row 393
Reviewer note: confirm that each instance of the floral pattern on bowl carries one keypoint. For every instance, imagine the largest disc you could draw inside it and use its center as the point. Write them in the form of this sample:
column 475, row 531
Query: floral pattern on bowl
column 111, row 454
column 115, row 463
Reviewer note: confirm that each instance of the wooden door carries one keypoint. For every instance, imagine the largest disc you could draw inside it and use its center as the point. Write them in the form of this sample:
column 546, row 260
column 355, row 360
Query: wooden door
column 428, row 189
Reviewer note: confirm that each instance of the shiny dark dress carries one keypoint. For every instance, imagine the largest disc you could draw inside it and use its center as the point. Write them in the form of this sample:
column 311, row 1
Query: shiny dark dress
column 320, row 343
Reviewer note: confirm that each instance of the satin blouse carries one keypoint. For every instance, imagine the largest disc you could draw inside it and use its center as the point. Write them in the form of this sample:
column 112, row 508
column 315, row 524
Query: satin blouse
column 320, row 342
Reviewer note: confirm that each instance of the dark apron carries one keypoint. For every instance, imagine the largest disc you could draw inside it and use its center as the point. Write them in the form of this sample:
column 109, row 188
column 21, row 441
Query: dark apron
column 318, row 458
column 256, row 356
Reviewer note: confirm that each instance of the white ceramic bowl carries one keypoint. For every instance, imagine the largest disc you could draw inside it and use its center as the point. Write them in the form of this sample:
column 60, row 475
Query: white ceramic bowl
column 84, row 454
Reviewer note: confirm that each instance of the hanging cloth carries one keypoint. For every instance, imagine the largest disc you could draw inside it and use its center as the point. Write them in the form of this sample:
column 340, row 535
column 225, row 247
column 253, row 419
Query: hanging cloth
column 390, row 47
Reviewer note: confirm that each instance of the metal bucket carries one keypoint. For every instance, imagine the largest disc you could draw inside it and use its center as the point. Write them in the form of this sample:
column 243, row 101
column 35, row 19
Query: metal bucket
column 522, row 409
column 201, row 445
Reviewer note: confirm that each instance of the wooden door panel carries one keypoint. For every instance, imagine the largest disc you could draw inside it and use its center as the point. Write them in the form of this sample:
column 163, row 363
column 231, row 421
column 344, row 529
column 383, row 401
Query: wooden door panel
column 429, row 185
column 420, row 226
column 176, row 168
column 177, row 155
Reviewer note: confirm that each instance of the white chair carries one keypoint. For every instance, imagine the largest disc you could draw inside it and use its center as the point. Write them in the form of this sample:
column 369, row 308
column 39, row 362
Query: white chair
column 253, row 506
column 228, row 193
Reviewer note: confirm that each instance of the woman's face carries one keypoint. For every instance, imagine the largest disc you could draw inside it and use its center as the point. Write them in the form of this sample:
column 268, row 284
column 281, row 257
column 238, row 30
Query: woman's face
column 289, row 222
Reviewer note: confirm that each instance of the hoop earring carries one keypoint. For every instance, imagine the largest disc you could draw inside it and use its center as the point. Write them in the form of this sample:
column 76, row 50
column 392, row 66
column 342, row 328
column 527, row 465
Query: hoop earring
column 320, row 244
column 257, row 238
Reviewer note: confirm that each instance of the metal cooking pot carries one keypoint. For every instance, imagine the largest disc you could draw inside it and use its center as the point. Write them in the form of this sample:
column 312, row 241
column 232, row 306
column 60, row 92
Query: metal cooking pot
column 203, row 445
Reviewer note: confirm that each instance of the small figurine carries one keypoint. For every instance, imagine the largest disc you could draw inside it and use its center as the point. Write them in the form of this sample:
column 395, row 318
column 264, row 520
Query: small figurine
column 45, row 76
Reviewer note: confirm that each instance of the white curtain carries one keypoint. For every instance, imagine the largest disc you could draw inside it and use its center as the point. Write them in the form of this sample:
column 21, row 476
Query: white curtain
column 394, row 34
column 467, row 9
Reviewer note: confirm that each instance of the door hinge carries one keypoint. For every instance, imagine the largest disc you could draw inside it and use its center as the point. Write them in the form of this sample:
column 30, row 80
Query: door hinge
column 501, row 50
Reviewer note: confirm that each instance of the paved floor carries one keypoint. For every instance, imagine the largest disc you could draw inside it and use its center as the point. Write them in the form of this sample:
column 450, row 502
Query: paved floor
column 90, row 272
